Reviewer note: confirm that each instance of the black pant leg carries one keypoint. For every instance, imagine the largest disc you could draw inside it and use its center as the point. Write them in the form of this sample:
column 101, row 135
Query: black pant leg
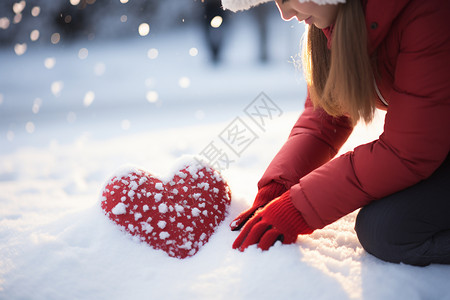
column 411, row 226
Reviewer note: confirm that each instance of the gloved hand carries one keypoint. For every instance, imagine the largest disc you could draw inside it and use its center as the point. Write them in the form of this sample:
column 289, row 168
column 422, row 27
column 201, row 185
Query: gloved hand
column 279, row 220
column 265, row 194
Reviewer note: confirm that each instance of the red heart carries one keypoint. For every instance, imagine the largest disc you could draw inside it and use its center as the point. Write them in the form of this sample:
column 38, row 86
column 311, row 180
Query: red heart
column 177, row 216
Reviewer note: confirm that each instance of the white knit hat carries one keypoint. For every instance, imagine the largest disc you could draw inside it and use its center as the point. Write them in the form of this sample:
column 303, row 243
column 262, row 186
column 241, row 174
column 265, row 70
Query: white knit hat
column 237, row 5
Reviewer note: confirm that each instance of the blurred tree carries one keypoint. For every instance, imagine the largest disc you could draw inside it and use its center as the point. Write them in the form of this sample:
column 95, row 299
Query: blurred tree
column 75, row 19
column 214, row 23
column 262, row 15
column 72, row 21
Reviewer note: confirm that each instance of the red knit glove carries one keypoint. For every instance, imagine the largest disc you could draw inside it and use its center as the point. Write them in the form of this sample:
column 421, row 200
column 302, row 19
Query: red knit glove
column 265, row 194
column 279, row 220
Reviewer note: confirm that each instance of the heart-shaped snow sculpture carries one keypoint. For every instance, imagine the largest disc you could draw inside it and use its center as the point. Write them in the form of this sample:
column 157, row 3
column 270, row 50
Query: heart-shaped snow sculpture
column 177, row 215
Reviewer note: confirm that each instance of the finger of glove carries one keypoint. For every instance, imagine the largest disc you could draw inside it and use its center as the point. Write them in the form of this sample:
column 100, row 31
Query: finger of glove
column 254, row 235
column 240, row 220
column 245, row 231
column 289, row 238
column 269, row 238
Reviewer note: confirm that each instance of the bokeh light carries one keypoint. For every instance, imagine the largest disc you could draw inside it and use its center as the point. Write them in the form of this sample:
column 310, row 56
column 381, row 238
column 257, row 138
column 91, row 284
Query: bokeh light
column 152, row 96
column 4, row 23
column 184, row 82
column 88, row 98
column 35, row 11
column 37, row 103
column 18, row 7
column 56, row 88
column 99, row 69
column 30, row 127
column 216, row 21
column 144, row 29
column 17, row 18
column 193, row 51
column 152, row 53
column 55, row 38
column 20, row 49
column 49, row 62
column 34, row 35
column 83, row 53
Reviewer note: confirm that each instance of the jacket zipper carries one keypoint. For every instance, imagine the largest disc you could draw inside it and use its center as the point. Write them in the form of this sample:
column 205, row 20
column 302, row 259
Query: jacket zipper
column 379, row 93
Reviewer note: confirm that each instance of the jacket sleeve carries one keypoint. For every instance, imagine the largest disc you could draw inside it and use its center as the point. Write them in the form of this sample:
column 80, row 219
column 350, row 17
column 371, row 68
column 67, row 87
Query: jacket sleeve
column 415, row 140
column 315, row 139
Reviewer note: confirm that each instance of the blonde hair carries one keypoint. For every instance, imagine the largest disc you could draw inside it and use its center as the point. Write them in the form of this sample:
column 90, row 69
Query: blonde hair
column 341, row 80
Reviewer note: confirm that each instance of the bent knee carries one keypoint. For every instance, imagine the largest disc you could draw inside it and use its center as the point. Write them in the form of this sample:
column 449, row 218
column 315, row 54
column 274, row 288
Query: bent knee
column 384, row 240
column 378, row 235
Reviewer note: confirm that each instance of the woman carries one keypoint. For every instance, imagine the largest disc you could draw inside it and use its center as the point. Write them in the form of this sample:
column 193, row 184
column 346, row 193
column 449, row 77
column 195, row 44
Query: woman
column 361, row 55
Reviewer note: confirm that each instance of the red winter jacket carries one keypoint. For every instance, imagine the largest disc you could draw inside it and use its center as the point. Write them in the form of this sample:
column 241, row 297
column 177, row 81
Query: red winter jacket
column 411, row 41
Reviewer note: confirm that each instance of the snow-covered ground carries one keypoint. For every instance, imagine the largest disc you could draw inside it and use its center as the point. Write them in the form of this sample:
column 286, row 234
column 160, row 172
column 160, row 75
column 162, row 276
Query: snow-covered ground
column 64, row 129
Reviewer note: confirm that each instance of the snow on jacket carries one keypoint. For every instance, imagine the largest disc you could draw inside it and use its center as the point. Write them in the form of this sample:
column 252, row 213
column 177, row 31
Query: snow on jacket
column 411, row 42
